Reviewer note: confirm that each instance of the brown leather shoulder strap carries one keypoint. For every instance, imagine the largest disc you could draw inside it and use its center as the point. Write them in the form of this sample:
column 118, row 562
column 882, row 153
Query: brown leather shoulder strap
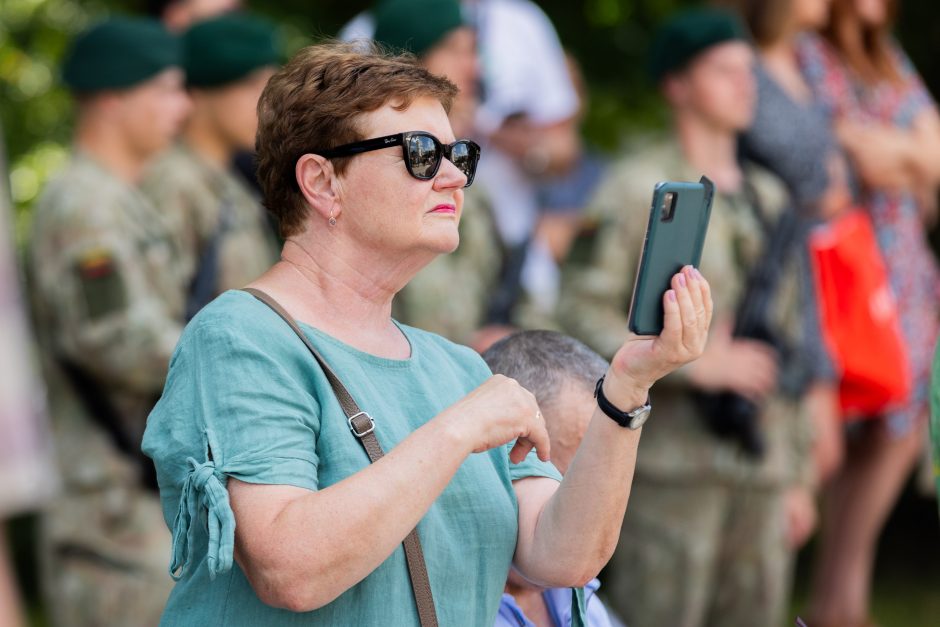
column 363, row 427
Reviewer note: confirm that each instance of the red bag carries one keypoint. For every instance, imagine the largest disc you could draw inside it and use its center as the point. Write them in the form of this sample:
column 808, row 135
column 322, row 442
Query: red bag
column 859, row 316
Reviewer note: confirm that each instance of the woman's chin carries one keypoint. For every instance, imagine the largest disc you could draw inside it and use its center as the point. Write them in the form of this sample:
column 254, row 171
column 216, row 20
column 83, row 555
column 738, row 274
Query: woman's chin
column 448, row 246
column 443, row 239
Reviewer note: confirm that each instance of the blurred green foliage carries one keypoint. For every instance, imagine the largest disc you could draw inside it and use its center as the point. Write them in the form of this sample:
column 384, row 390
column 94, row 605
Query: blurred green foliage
column 608, row 37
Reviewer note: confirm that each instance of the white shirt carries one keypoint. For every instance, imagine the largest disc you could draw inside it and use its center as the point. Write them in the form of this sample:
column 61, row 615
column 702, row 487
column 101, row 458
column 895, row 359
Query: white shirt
column 523, row 64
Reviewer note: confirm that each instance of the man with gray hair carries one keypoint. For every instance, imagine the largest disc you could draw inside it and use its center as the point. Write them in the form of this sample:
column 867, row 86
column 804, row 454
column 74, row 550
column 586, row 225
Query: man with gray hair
column 561, row 373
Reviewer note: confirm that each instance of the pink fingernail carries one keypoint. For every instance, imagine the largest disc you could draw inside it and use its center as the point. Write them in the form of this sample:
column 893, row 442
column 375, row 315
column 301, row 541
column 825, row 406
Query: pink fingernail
column 698, row 274
column 671, row 295
column 682, row 280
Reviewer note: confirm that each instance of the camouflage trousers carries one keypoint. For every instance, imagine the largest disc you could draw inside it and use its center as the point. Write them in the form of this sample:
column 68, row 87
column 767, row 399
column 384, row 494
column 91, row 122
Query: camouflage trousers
column 104, row 558
column 695, row 554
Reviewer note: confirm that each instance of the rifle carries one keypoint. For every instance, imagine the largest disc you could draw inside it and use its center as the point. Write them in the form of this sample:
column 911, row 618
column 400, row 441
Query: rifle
column 726, row 414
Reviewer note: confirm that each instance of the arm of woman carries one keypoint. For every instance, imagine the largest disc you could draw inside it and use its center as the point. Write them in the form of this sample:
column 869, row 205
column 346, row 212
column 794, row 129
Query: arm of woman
column 926, row 150
column 882, row 156
column 300, row 549
column 568, row 532
column 924, row 132
column 893, row 158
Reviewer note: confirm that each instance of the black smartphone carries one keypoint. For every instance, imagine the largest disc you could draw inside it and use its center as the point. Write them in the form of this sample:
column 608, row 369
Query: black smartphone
column 675, row 236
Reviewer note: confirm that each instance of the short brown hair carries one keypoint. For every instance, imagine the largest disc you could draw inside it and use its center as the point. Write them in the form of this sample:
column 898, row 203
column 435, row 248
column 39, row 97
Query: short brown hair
column 314, row 103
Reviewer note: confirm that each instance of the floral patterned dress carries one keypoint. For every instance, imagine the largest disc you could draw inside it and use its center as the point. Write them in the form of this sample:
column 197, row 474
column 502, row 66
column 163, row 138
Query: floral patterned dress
column 896, row 216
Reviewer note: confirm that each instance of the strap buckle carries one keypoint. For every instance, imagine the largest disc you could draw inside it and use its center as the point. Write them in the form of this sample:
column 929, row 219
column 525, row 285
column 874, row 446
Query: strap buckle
column 361, row 430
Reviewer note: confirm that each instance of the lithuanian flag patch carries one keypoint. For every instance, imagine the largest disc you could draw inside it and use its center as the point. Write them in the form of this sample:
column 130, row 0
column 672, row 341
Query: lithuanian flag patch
column 101, row 284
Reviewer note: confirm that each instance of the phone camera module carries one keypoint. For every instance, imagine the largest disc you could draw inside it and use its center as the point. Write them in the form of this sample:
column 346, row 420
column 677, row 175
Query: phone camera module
column 668, row 210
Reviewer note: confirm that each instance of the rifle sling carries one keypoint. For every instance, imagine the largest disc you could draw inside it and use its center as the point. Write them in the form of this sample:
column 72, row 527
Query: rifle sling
column 362, row 426
column 779, row 238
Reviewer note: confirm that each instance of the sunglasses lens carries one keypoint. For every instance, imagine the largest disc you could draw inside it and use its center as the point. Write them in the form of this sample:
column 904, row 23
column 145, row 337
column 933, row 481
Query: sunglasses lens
column 463, row 155
column 424, row 156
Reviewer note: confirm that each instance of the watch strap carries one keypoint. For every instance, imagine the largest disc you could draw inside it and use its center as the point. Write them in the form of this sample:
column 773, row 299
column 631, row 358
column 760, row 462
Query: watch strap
column 626, row 419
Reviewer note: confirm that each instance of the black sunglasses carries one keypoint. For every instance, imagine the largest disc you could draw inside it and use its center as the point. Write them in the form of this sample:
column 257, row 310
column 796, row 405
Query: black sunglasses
column 423, row 153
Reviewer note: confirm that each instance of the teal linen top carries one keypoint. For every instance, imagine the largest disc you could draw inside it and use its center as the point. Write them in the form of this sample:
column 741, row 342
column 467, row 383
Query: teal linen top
column 244, row 398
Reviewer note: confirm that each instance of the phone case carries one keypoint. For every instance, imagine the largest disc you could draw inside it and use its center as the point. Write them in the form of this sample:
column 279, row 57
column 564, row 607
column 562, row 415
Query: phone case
column 668, row 247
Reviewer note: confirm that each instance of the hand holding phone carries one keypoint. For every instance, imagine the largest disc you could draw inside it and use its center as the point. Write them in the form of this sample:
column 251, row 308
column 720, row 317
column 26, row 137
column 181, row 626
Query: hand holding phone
column 675, row 237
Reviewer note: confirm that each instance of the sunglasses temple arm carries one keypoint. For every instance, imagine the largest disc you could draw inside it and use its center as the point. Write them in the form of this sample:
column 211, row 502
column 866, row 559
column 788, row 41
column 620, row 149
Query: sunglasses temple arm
column 367, row 145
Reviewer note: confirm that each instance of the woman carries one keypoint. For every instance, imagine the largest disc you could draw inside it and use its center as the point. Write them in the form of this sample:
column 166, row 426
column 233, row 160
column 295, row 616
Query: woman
column 792, row 138
column 889, row 126
column 249, row 433
column 790, row 134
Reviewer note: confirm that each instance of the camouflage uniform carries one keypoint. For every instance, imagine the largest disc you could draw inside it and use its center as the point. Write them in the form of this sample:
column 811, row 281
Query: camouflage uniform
column 703, row 538
column 108, row 296
column 200, row 201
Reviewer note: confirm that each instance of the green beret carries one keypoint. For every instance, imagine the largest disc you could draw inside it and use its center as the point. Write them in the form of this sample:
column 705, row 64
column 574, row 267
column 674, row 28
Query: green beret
column 119, row 52
column 228, row 48
column 415, row 26
column 690, row 33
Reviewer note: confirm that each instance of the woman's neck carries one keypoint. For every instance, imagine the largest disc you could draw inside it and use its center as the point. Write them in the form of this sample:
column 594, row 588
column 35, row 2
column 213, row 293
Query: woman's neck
column 347, row 296
column 782, row 52
column 781, row 62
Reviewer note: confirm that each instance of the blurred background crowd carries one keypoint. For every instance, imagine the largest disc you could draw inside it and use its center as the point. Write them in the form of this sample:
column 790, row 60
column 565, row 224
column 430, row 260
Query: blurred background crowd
column 787, row 472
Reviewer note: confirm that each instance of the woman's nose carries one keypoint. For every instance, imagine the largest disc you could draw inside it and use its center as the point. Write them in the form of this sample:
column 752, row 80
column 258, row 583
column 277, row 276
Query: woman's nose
column 449, row 176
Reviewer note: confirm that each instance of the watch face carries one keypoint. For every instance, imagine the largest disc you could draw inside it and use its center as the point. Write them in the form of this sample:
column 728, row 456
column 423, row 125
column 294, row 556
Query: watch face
column 638, row 421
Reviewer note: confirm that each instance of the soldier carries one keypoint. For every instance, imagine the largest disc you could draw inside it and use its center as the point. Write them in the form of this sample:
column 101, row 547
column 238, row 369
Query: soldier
column 109, row 299
column 221, row 230
column 707, row 538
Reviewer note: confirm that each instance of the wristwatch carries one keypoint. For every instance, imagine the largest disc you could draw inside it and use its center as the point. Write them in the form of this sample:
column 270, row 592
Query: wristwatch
column 629, row 419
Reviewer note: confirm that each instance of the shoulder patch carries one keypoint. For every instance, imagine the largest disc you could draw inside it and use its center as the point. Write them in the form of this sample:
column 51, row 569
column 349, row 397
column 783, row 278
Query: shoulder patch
column 102, row 285
column 96, row 263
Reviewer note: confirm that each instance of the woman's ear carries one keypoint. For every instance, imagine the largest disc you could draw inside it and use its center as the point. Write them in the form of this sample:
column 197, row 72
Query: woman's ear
column 317, row 181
